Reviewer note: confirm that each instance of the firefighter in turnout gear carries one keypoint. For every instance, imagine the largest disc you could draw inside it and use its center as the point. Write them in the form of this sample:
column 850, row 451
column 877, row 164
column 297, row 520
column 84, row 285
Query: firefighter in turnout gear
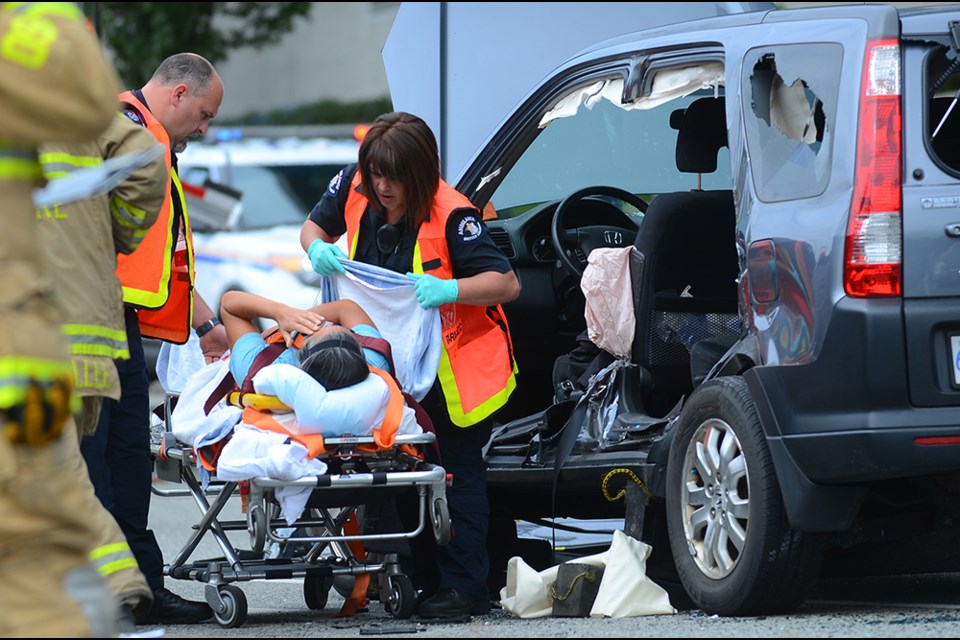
column 81, row 241
column 47, row 583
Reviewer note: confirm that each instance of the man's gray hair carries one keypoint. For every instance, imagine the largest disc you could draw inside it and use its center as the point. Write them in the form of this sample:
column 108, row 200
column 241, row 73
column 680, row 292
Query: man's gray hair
column 190, row 69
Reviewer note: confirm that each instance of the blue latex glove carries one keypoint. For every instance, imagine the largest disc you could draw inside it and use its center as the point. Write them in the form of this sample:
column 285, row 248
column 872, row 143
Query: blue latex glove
column 323, row 256
column 433, row 292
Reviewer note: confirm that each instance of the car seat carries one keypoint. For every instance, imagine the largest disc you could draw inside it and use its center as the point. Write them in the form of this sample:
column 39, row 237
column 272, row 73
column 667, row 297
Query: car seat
column 687, row 264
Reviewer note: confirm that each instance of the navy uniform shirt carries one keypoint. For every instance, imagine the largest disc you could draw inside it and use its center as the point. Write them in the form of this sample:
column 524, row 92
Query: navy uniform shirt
column 472, row 250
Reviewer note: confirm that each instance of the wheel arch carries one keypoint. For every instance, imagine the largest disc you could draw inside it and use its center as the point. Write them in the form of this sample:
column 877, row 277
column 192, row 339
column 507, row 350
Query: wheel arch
column 733, row 547
column 809, row 506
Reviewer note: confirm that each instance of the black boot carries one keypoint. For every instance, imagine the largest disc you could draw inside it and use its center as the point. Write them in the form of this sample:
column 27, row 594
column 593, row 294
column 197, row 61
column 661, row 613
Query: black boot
column 169, row 608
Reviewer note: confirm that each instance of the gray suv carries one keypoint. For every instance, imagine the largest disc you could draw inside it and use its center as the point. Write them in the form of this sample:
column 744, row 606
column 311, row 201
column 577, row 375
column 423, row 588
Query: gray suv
column 787, row 186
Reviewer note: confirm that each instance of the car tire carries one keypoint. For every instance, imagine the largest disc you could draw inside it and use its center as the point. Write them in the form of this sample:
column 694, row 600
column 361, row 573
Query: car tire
column 731, row 542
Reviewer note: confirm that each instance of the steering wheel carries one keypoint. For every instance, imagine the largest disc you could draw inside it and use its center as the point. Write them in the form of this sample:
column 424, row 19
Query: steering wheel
column 574, row 245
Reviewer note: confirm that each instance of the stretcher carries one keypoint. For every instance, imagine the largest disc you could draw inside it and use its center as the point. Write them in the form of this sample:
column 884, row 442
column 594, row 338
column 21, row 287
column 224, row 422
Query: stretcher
column 327, row 545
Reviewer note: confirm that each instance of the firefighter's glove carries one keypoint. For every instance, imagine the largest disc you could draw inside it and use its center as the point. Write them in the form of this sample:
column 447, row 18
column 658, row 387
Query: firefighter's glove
column 325, row 257
column 40, row 419
column 432, row 291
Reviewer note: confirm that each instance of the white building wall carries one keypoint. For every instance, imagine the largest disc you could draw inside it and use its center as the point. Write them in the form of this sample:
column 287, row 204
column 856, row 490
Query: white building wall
column 334, row 53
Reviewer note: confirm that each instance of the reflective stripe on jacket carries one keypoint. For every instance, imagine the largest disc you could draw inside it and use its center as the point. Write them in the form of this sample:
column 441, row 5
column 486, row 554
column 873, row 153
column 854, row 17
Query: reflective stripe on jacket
column 108, row 559
column 477, row 371
column 158, row 278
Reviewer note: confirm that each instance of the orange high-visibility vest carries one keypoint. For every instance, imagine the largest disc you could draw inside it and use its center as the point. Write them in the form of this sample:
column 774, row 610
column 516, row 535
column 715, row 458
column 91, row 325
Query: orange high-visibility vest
column 477, row 370
column 157, row 278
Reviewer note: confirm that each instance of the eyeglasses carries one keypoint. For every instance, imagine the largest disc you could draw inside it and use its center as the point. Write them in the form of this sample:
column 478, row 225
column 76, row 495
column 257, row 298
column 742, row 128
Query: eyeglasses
column 388, row 238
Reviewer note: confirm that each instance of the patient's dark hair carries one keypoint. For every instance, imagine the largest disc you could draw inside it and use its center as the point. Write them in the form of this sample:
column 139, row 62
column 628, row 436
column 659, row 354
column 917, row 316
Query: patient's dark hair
column 335, row 360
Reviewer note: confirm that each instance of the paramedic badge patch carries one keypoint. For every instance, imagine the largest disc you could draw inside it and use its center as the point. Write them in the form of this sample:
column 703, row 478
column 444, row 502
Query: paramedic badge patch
column 469, row 229
column 334, row 187
column 134, row 116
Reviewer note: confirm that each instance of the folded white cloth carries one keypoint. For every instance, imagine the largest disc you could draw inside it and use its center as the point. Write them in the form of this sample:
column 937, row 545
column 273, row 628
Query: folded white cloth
column 188, row 421
column 177, row 362
column 252, row 453
column 390, row 300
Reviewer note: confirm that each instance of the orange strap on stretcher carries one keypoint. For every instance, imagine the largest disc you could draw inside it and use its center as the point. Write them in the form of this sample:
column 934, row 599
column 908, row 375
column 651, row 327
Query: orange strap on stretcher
column 358, row 595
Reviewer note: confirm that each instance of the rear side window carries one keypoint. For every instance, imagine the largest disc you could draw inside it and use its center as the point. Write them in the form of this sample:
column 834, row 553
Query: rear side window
column 943, row 118
column 789, row 109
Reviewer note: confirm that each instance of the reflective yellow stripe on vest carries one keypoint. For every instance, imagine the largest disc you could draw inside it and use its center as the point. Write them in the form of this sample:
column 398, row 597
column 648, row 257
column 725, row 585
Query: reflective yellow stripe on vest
column 156, row 299
column 111, row 558
column 451, row 393
column 96, row 340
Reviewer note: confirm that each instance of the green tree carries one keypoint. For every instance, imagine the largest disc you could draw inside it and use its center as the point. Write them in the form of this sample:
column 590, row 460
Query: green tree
column 141, row 34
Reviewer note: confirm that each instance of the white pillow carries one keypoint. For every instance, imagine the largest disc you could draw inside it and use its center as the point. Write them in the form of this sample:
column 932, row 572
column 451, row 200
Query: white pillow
column 356, row 409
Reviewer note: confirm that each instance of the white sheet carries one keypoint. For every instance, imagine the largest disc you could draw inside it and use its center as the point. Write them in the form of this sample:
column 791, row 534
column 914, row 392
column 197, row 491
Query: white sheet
column 390, row 300
column 252, row 453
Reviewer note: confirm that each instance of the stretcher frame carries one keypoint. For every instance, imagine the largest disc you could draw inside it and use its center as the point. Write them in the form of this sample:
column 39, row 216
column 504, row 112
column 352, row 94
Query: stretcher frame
column 331, row 550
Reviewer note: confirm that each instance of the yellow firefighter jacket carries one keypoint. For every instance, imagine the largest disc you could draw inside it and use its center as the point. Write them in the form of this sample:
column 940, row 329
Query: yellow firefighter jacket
column 81, row 241
column 56, row 85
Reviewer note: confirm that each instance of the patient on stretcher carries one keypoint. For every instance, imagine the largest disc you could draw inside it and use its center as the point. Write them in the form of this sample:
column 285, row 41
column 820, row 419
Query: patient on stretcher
column 307, row 380
column 328, row 386
column 320, row 340
column 319, row 345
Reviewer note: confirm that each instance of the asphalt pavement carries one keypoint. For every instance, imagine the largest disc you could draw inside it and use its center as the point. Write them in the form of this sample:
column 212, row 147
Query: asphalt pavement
column 914, row 607
column 899, row 607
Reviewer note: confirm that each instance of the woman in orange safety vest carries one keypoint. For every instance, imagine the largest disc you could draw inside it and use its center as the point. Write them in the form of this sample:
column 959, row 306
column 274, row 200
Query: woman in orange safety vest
column 397, row 213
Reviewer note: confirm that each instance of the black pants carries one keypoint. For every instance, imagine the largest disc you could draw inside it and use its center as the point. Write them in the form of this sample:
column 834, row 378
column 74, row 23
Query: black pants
column 464, row 563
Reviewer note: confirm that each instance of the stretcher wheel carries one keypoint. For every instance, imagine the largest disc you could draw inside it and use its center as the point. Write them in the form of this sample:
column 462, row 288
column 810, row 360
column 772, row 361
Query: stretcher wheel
column 440, row 517
column 401, row 597
column 234, row 611
column 257, row 528
column 316, row 590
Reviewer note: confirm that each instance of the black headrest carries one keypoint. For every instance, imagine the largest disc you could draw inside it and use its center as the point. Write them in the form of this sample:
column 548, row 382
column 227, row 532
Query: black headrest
column 702, row 132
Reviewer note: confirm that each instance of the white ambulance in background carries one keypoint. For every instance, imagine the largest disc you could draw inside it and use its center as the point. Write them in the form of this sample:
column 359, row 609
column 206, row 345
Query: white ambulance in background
column 256, row 247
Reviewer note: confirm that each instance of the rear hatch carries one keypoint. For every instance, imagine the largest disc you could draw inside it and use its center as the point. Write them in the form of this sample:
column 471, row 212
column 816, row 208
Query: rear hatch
column 931, row 204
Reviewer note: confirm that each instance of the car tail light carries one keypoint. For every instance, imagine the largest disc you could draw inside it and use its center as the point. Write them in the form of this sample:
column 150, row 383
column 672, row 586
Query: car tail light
column 874, row 243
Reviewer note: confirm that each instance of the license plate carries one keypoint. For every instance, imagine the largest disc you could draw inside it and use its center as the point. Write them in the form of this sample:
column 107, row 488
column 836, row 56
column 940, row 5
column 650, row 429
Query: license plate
column 955, row 359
